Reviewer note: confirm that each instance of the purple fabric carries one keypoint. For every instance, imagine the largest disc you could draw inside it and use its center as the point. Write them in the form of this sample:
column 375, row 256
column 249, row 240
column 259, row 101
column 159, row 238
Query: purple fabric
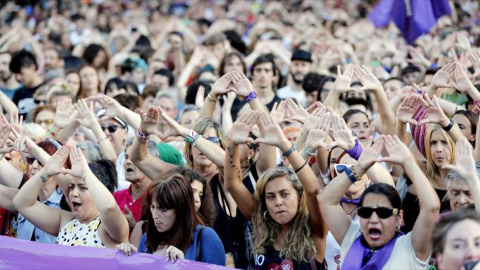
column 413, row 17
column 353, row 201
column 356, row 151
column 20, row 254
column 358, row 251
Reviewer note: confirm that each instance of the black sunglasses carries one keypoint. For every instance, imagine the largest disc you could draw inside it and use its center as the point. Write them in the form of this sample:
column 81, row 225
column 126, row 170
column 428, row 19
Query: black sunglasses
column 213, row 139
column 382, row 212
column 30, row 159
column 111, row 128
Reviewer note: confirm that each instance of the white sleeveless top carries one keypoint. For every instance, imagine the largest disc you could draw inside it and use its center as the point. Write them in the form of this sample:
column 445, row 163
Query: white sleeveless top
column 75, row 233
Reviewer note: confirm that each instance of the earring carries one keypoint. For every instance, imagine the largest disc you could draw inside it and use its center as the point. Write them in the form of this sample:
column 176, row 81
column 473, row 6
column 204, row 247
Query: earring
column 248, row 158
column 398, row 228
column 265, row 214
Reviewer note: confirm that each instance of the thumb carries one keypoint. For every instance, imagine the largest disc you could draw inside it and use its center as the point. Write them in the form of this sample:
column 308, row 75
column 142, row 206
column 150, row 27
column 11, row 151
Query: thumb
column 424, row 121
column 413, row 122
column 127, row 209
column 250, row 140
column 332, row 145
column 259, row 140
column 449, row 167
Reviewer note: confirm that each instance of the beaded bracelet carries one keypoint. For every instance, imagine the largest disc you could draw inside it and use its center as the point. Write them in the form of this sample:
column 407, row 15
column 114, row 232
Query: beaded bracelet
column 312, row 154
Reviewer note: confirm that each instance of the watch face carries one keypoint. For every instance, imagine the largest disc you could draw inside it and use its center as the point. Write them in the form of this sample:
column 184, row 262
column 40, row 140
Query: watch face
column 339, row 168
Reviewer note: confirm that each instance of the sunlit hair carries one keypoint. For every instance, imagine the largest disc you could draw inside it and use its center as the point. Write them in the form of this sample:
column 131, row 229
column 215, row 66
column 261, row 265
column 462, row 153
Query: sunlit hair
column 173, row 193
column 297, row 242
column 201, row 126
column 432, row 169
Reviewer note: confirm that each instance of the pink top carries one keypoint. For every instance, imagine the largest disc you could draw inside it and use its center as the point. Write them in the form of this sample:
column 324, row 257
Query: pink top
column 124, row 197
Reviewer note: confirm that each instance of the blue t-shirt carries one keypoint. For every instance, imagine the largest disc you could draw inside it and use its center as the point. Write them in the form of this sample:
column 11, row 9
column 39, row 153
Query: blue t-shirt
column 211, row 245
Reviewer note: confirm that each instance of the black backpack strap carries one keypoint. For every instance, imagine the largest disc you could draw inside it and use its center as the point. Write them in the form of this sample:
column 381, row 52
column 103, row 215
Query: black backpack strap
column 198, row 246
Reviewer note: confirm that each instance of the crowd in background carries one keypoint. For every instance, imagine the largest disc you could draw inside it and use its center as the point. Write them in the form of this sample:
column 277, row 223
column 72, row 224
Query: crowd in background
column 249, row 134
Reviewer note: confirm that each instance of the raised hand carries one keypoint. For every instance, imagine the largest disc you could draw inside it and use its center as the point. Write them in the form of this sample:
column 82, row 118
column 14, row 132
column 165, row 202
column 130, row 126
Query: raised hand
column 296, row 108
column 398, row 152
column 371, row 152
column 367, row 78
column 242, row 83
column 278, row 111
column 55, row 164
column 461, row 83
column 4, row 133
column 273, row 133
column 150, row 120
column 343, row 81
column 175, row 128
column 434, row 112
column 111, row 106
column 443, row 77
column 222, row 86
column 16, row 122
column 228, row 100
column 474, row 57
column 241, row 128
column 79, row 163
column 23, row 144
column 465, row 166
column 85, row 113
column 341, row 133
column 407, row 108
column 316, row 136
column 63, row 114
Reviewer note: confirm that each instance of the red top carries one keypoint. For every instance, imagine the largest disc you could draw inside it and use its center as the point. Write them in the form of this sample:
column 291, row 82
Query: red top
column 124, row 197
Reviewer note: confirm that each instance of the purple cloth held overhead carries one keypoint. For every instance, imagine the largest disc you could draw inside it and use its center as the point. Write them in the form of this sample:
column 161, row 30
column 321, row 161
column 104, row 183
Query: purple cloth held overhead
column 20, row 254
column 413, row 17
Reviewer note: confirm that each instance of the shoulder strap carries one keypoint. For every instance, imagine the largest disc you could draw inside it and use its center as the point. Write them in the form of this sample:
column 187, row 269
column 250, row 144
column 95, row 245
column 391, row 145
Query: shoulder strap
column 198, row 246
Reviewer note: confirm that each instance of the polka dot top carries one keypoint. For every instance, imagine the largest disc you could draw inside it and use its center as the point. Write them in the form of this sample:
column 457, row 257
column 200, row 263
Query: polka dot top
column 75, row 233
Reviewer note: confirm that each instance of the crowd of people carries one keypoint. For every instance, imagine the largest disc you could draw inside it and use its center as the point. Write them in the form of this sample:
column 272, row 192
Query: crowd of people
column 247, row 134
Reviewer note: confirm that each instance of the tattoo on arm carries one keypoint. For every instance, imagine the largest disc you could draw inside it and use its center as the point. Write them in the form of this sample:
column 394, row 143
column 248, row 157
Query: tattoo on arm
column 44, row 179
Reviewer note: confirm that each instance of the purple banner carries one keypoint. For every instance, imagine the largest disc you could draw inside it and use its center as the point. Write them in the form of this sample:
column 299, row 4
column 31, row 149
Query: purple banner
column 413, row 17
column 20, row 254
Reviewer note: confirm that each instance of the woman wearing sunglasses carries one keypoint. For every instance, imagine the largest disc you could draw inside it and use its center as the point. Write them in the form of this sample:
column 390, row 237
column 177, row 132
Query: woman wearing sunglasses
column 11, row 180
column 377, row 241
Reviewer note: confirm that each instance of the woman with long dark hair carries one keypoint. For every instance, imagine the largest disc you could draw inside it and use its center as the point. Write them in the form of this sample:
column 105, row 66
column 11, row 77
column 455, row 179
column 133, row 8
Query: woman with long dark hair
column 173, row 227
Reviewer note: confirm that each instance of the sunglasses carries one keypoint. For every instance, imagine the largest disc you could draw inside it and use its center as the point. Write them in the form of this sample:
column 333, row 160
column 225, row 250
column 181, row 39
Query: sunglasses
column 213, row 139
column 47, row 122
column 340, row 168
column 111, row 128
column 382, row 212
column 31, row 159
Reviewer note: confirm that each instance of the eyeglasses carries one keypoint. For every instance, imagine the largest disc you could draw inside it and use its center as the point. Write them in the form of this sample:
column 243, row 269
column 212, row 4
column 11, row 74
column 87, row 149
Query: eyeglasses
column 111, row 128
column 47, row 122
column 340, row 168
column 213, row 139
column 382, row 212
column 31, row 159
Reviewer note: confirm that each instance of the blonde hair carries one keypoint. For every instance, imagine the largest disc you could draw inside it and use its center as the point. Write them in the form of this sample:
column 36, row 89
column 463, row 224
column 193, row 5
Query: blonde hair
column 432, row 169
column 201, row 126
column 297, row 243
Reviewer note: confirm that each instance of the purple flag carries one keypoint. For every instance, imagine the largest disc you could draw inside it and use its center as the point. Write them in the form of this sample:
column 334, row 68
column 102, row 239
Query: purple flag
column 413, row 17
column 19, row 254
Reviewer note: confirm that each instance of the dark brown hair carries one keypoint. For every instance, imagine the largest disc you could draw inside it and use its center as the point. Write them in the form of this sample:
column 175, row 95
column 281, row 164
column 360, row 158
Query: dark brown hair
column 206, row 213
column 173, row 193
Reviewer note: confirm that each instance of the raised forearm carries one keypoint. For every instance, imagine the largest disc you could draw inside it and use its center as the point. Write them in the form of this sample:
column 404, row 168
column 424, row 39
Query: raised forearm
column 27, row 195
column 106, row 146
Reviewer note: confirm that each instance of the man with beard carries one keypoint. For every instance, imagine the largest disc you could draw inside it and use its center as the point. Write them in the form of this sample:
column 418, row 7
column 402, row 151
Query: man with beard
column 301, row 64
column 8, row 83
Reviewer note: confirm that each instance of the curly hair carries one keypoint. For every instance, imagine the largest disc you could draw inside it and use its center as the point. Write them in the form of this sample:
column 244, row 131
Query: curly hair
column 297, row 243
